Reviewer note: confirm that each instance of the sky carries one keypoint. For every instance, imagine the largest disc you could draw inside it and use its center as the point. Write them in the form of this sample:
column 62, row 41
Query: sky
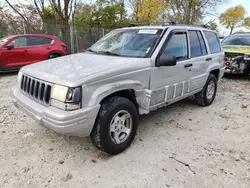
column 221, row 8
column 232, row 3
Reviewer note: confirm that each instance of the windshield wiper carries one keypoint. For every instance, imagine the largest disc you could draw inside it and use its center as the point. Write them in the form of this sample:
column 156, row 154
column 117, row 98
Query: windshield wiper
column 93, row 51
column 108, row 53
column 103, row 52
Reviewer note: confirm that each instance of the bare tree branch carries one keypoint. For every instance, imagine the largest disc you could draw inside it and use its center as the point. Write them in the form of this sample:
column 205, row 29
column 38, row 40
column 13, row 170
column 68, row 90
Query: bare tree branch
column 25, row 19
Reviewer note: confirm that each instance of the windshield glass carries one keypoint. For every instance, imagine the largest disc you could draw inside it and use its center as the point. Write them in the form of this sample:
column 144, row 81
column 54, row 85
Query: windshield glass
column 3, row 40
column 237, row 40
column 128, row 43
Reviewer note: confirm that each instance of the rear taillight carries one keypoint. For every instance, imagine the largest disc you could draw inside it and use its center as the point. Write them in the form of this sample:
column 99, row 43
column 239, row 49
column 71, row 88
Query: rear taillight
column 225, row 60
column 64, row 47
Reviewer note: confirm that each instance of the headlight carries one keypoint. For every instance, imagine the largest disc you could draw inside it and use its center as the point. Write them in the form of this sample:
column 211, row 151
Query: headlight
column 66, row 98
column 19, row 77
column 247, row 57
column 59, row 93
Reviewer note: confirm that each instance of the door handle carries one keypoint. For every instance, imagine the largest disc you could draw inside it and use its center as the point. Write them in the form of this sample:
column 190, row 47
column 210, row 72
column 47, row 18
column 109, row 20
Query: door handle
column 25, row 50
column 188, row 65
column 209, row 59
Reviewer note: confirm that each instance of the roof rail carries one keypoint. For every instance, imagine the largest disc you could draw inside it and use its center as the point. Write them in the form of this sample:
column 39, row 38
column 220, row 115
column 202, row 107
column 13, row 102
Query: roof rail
column 166, row 24
column 169, row 23
column 132, row 25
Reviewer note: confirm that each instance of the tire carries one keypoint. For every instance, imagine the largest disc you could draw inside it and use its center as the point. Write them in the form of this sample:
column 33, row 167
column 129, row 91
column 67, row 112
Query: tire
column 111, row 121
column 247, row 73
column 52, row 56
column 203, row 98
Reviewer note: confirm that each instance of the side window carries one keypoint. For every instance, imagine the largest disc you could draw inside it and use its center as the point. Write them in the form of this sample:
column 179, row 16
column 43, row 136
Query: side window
column 177, row 46
column 195, row 46
column 36, row 41
column 202, row 43
column 213, row 41
column 19, row 42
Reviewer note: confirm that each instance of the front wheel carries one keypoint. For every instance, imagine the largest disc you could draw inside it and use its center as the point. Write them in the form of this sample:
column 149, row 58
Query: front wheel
column 115, row 126
column 206, row 96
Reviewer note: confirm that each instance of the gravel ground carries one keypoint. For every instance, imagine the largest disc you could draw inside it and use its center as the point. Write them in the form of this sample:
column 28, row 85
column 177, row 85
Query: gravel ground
column 181, row 146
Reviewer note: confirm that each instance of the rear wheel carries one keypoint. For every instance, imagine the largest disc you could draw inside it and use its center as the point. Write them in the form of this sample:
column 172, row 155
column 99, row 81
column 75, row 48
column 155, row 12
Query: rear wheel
column 115, row 126
column 206, row 96
column 247, row 73
column 52, row 56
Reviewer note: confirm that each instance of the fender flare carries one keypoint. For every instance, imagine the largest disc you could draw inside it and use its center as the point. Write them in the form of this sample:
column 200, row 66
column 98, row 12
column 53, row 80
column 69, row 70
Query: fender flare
column 108, row 89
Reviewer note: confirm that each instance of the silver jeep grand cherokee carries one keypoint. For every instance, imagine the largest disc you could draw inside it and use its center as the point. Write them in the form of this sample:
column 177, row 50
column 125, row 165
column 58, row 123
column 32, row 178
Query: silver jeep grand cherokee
column 129, row 72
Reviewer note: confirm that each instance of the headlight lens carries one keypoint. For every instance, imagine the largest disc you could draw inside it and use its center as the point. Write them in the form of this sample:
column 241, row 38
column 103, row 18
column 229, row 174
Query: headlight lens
column 59, row 93
column 66, row 98
column 19, row 77
column 247, row 57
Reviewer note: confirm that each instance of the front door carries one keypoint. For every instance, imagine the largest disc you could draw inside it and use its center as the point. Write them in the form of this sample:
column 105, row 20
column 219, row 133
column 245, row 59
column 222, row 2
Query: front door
column 17, row 56
column 172, row 82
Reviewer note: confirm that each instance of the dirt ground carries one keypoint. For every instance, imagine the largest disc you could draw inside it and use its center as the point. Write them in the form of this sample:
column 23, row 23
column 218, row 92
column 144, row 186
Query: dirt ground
column 181, row 146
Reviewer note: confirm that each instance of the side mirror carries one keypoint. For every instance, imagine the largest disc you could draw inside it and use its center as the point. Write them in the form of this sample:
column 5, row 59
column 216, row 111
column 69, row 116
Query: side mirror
column 10, row 46
column 166, row 60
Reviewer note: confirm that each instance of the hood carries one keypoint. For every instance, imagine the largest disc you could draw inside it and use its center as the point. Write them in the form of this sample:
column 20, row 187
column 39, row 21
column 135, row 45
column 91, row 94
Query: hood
column 236, row 49
column 67, row 70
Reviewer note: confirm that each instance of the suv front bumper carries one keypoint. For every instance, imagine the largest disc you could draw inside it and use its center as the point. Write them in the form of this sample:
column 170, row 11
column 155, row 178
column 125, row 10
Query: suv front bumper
column 76, row 123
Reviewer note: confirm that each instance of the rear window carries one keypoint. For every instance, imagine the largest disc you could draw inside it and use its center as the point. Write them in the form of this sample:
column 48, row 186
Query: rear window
column 213, row 41
column 36, row 41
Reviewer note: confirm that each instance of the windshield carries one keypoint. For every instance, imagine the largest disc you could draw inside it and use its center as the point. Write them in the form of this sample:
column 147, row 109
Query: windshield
column 3, row 40
column 128, row 43
column 237, row 40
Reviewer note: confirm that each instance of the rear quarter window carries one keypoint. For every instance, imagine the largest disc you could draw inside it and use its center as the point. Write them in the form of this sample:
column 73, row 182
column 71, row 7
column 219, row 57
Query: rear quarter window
column 213, row 41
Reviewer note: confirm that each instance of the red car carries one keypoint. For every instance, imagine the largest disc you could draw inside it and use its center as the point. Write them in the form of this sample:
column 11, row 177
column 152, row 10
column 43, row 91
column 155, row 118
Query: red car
column 20, row 50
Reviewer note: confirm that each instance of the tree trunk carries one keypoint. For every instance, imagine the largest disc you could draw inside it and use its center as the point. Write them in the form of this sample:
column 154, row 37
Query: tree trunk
column 231, row 31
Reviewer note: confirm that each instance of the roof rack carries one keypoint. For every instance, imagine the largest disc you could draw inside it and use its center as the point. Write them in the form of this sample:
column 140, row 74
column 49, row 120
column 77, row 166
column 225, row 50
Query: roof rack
column 169, row 23
column 132, row 25
column 166, row 24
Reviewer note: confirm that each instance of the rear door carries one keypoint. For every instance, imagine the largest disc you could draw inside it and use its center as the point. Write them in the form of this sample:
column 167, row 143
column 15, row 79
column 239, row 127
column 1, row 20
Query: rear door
column 39, row 48
column 200, row 59
column 17, row 56
column 216, row 52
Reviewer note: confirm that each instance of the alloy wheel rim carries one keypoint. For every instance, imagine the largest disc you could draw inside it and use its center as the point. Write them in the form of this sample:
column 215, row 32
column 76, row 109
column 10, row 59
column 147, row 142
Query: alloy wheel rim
column 210, row 90
column 120, row 127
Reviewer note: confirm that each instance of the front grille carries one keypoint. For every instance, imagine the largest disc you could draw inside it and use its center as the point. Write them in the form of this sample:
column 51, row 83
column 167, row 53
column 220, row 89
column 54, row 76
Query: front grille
column 36, row 89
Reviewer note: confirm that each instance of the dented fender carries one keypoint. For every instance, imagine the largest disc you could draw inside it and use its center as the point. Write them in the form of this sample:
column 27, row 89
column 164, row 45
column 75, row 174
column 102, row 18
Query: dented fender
column 104, row 91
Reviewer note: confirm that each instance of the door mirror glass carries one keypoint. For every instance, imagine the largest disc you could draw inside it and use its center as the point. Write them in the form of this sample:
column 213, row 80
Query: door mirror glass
column 166, row 60
column 10, row 46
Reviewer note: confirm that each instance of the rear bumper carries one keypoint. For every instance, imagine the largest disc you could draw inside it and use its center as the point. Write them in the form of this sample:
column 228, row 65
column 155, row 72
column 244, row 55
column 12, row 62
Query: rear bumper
column 76, row 123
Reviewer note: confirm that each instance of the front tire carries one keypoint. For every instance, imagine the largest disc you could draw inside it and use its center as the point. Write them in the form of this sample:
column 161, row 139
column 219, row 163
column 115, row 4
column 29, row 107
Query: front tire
column 206, row 96
column 115, row 126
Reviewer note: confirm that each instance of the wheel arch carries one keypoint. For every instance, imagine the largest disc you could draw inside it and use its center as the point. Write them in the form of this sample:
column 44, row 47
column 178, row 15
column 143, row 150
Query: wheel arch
column 216, row 73
column 126, row 89
column 54, row 53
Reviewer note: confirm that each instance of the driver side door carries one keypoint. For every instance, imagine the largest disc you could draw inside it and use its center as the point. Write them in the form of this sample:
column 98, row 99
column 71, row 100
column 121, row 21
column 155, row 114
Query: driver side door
column 170, row 83
column 17, row 56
